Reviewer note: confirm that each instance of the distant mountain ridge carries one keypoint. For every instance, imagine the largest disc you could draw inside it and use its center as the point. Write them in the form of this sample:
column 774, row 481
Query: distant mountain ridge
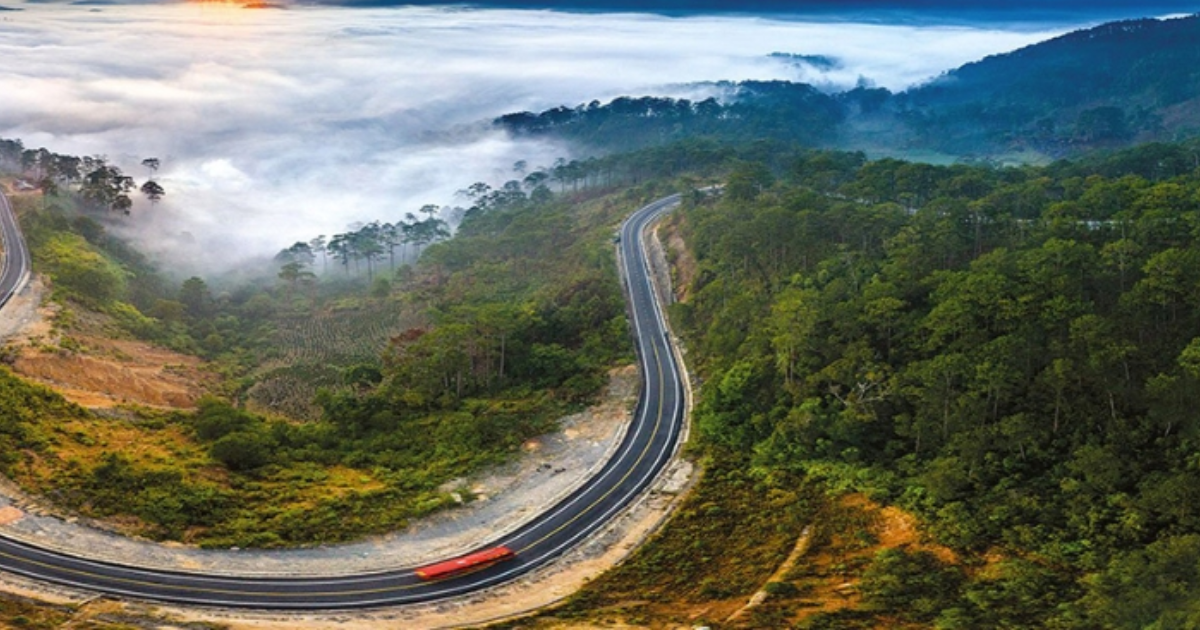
column 1099, row 9
column 1106, row 87
column 1116, row 83
column 793, row 112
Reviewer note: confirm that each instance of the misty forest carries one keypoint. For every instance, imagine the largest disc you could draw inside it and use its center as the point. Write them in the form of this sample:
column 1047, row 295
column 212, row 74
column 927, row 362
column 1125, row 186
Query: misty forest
column 944, row 342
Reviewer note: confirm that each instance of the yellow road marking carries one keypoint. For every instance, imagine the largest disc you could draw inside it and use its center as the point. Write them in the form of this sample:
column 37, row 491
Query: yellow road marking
column 390, row 589
column 641, row 456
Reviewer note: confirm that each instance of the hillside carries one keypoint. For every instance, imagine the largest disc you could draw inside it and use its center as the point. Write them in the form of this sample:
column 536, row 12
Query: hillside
column 932, row 396
column 349, row 379
column 1108, row 87
column 1119, row 83
column 1008, row 354
column 755, row 110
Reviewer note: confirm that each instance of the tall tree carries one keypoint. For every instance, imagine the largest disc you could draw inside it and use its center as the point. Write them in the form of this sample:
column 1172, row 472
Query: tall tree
column 153, row 191
column 195, row 297
column 318, row 246
column 48, row 187
column 106, row 186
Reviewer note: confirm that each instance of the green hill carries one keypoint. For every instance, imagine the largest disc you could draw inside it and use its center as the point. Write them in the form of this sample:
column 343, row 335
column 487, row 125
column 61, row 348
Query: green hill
column 1112, row 86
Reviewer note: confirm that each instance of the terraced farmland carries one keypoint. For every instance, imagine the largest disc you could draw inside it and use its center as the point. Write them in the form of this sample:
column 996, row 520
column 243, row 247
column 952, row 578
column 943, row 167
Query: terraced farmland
column 312, row 349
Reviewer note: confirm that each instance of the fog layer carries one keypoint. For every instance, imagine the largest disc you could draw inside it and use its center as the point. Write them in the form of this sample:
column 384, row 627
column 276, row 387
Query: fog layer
column 275, row 125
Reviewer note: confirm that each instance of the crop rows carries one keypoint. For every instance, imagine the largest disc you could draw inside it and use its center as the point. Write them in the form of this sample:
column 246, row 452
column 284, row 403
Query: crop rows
column 313, row 349
column 339, row 338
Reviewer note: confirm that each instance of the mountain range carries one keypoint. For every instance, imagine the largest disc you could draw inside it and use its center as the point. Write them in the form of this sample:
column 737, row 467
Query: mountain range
column 1111, row 86
column 981, row 9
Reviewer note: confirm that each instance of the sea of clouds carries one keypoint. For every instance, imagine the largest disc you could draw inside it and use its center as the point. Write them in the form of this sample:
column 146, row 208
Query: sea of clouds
column 279, row 125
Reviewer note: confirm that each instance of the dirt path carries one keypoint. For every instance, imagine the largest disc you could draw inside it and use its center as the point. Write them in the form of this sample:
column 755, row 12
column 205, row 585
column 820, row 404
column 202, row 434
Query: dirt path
column 798, row 551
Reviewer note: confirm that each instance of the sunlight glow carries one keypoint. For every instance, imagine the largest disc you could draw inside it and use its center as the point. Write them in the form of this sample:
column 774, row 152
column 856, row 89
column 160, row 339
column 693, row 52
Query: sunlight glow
column 292, row 122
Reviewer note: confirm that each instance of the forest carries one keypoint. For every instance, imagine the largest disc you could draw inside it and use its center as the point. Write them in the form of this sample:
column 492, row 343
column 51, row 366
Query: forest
column 1129, row 83
column 99, row 184
column 1009, row 353
column 792, row 113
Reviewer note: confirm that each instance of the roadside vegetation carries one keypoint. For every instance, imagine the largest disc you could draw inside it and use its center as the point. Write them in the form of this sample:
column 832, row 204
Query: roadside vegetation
column 1009, row 354
column 719, row 548
column 20, row 613
column 353, row 382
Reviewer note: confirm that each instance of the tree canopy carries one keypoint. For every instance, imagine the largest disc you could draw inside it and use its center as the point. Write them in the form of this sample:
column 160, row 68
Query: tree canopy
column 1010, row 352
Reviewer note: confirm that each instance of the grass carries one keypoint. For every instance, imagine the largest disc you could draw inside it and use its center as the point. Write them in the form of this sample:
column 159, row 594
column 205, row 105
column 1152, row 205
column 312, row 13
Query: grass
column 726, row 542
column 164, row 464
column 718, row 549
column 20, row 613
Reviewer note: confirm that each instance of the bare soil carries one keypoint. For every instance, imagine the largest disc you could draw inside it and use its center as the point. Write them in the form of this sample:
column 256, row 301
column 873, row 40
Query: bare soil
column 89, row 367
column 684, row 268
column 833, row 576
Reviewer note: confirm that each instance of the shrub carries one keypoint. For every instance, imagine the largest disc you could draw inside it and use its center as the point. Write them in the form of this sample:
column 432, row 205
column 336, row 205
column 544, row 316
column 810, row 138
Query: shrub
column 243, row 450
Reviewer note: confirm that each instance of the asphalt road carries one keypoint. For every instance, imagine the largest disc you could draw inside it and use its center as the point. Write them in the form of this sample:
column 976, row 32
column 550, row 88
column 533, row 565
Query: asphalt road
column 647, row 447
column 15, row 270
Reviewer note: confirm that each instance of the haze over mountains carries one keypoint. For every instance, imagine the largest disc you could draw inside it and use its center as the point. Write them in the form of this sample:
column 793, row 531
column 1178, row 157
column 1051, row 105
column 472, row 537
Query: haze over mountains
column 1104, row 87
column 290, row 123
column 1009, row 352
column 227, row 89
column 928, row 9
column 1117, row 83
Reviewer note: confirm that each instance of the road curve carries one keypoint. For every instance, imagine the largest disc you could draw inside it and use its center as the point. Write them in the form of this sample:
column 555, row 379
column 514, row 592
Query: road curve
column 15, row 270
column 645, row 450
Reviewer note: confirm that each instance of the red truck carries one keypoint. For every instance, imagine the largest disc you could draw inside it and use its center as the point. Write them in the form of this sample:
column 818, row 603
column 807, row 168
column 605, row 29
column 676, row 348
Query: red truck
column 477, row 560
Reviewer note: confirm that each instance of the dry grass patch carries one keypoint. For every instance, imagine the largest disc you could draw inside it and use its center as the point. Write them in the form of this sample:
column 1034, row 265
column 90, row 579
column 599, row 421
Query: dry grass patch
column 74, row 352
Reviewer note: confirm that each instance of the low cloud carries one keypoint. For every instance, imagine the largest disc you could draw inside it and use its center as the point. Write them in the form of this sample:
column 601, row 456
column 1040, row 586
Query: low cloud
column 274, row 126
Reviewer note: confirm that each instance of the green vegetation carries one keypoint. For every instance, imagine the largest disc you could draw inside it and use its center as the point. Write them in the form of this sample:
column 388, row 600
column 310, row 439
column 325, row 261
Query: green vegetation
column 782, row 111
column 350, row 395
column 722, row 544
column 19, row 613
column 738, row 530
column 1009, row 353
column 1111, row 86
column 23, row 408
column 99, row 185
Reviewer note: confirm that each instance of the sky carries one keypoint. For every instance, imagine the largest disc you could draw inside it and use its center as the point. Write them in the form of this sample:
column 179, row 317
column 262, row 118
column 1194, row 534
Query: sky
column 870, row 10
column 278, row 125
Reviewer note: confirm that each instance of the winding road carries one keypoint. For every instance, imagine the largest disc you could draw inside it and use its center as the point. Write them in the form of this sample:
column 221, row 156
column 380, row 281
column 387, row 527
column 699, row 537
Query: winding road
column 15, row 270
column 647, row 447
